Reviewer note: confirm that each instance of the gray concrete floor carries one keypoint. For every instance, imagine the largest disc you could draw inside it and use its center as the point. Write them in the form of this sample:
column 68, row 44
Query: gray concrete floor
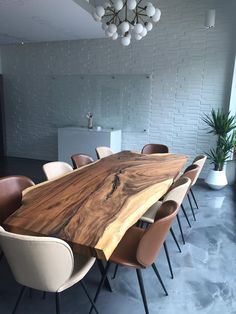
column 205, row 271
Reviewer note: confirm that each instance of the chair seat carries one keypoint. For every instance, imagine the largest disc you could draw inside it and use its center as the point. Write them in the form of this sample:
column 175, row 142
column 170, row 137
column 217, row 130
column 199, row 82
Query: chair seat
column 150, row 214
column 82, row 265
column 125, row 252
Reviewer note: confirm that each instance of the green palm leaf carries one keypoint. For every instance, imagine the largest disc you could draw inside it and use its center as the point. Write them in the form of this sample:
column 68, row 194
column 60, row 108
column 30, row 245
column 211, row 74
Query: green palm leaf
column 223, row 126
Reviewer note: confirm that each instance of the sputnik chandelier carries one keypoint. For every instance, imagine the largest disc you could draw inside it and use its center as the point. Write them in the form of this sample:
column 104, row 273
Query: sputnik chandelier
column 126, row 18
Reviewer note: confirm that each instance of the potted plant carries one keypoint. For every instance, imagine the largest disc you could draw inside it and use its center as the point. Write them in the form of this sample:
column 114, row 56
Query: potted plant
column 223, row 126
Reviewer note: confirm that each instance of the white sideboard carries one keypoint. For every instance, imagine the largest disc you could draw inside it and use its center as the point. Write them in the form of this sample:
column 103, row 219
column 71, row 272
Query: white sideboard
column 73, row 140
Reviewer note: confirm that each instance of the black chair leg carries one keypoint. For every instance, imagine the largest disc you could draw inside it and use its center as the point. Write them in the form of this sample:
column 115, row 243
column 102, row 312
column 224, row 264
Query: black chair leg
column 185, row 215
column 58, row 303
column 44, row 295
column 176, row 241
column 180, row 228
column 191, row 206
column 168, row 259
column 115, row 272
column 100, row 284
column 19, row 299
column 1, row 256
column 159, row 278
column 90, row 299
column 102, row 269
column 195, row 201
column 140, row 281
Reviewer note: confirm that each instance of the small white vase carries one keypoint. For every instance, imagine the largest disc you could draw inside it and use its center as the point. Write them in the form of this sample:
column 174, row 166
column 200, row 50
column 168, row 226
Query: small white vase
column 216, row 179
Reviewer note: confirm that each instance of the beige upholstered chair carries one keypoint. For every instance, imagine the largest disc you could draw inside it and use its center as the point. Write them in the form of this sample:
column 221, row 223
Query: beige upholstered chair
column 191, row 172
column 176, row 193
column 44, row 263
column 56, row 169
column 103, row 151
column 200, row 161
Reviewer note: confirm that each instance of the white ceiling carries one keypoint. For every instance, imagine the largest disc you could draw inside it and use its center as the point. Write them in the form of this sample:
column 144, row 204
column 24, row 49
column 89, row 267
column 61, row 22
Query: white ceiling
column 46, row 20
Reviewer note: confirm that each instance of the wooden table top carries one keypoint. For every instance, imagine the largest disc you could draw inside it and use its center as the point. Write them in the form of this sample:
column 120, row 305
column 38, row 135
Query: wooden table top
column 92, row 207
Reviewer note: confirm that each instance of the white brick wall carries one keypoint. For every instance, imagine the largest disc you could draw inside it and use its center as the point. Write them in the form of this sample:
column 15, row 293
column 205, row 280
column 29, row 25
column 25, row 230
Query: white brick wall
column 191, row 74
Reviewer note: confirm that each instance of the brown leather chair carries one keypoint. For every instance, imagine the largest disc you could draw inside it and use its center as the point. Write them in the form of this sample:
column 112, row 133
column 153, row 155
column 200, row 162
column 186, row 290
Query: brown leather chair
column 80, row 160
column 191, row 172
column 11, row 194
column 139, row 248
column 155, row 149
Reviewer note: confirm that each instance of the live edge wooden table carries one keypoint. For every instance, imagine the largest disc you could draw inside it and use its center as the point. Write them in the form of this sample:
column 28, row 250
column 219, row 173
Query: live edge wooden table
column 92, row 207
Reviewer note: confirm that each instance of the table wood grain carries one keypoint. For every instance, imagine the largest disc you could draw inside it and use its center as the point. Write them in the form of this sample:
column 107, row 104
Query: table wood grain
column 92, row 207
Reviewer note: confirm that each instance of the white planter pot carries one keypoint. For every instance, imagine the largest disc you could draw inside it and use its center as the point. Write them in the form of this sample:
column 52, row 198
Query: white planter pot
column 216, row 179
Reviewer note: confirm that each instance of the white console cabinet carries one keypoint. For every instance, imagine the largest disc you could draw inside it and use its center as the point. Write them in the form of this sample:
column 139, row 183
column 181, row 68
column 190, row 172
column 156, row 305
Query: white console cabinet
column 73, row 140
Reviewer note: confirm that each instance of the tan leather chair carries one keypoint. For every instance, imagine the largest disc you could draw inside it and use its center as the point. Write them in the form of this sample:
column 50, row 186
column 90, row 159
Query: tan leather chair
column 56, row 169
column 177, row 193
column 11, row 194
column 44, row 263
column 200, row 161
column 11, row 188
column 80, row 160
column 154, row 149
column 139, row 248
column 103, row 152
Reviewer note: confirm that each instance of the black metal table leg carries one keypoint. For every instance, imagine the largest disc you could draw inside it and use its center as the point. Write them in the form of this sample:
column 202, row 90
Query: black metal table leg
column 102, row 270
column 104, row 276
column 90, row 299
column 115, row 272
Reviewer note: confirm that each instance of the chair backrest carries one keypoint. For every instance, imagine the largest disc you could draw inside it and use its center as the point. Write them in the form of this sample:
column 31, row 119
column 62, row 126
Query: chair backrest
column 200, row 161
column 178, row 190
column 191, row 172
column 103, row 152
column 155, row 235
column 41, row 263
column 155, row 149
column 11, row 194
column 56, row 169
column 80, row 160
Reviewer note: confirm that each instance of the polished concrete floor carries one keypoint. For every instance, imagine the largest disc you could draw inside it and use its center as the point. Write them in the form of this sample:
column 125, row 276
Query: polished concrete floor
column 205, row 271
